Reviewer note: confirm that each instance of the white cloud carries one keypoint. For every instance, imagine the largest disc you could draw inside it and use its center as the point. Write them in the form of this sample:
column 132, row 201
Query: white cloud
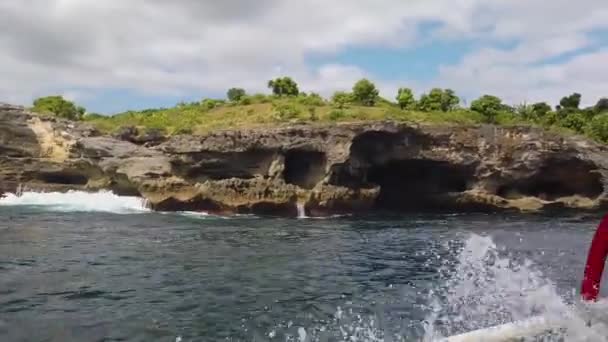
column 520, row 75
column 190, row 46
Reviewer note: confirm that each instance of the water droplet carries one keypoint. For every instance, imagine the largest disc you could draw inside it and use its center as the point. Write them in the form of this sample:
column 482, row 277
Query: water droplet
column 302, row 334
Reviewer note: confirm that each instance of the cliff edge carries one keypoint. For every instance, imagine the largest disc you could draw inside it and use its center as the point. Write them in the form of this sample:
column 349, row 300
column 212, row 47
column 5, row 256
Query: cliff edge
column 328, row 169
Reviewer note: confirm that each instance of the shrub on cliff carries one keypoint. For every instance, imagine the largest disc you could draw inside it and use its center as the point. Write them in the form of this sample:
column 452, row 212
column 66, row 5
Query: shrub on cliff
column 438, row 100
column 365, row 92
column 489, row 106
column 405, row 98
column 536, row 112
column 312, row 99
column 209, row 104
column 539, row 111
column 601, row 106
column 341, row 99
column 284, row 86
column 598, row 127
column 574, row 120
column 571, row 102
column 235, row 94
column 58, row 106
column 285, row 111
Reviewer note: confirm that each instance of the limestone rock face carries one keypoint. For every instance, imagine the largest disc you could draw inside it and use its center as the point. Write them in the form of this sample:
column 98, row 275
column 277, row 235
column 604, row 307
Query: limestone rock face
column 328, row 169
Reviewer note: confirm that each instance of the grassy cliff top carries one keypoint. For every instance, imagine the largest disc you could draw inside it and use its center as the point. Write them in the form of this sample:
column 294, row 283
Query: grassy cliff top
column 208, row 115
column 364, row 104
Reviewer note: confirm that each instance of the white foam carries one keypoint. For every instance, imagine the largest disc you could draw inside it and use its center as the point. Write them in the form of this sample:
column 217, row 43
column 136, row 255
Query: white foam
column 77, row 201
column 481, row 288
column 301, row 210
column 485, row 289
column 199, row 215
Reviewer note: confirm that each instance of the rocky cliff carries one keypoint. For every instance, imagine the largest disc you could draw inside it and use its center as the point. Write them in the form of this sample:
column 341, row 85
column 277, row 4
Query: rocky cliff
column 330, row 169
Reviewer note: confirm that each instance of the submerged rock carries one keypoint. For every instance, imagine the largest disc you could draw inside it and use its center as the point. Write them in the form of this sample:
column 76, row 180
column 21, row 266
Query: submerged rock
column 331, row 169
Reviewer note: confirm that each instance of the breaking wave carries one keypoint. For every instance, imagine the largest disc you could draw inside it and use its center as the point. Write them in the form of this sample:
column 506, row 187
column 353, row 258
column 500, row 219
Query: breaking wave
column 77, row 201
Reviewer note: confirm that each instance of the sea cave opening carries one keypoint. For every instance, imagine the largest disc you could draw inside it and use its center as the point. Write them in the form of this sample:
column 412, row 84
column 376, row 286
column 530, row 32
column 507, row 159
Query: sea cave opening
column 421, row 185
column 304, row 168
column 556, row 179
column 63, row 178
column 211, row 165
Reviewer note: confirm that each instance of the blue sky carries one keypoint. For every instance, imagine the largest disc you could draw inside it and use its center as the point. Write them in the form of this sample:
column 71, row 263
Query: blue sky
column 129, row 56
column 419, row 63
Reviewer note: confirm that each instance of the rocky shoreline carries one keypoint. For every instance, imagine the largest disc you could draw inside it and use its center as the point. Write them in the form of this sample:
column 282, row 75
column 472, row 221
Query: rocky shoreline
column 328, row 169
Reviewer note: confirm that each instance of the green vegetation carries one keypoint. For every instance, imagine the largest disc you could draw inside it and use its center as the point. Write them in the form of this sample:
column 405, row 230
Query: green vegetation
column 489, row 106
column 288, row 105
column 365, row 93
column 58, row 106
column 235, row 94
column 284, row 86
column 438, row 100
column 405, row 98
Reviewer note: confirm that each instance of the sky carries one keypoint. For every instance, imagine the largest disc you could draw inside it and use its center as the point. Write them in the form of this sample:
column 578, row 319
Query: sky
column 115, row 55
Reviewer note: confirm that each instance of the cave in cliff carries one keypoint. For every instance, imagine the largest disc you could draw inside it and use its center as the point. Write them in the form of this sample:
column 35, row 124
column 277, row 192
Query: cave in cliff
column 376, row 147
column 64, row 178
column 407, row 182
column 555, row 179
column 304, row 168
column 203, row 166
column 416, row 184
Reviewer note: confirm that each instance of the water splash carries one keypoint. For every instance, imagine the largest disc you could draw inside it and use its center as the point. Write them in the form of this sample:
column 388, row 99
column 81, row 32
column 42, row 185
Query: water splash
column 484, row 289
column 346, row 325
column 77, row 201
column 480, row 286
column 301, row 210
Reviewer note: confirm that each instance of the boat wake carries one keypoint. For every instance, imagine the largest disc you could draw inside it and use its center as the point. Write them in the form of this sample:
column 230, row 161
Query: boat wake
column 479, row 289
column 485, row 289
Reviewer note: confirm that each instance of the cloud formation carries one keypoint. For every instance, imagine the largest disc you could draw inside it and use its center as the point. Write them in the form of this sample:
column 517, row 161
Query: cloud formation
column 183, row 47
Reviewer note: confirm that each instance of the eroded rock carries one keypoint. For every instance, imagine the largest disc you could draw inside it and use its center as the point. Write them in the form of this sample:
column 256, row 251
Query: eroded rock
column 329, row 169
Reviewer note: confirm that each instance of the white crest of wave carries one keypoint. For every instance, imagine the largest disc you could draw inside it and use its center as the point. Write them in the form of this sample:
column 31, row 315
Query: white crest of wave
column 77, row 201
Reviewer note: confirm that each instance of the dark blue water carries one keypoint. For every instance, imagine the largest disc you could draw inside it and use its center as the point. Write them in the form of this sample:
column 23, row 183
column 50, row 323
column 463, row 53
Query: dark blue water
column 69, row 276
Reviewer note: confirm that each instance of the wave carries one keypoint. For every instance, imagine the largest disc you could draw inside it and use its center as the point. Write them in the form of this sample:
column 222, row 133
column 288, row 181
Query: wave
column 100, row 201
column 198, row 215
column 77, row 201
column 480, row 288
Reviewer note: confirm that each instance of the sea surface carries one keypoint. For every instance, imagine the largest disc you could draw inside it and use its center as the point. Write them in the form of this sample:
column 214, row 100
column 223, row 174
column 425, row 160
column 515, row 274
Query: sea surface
column 98, row 267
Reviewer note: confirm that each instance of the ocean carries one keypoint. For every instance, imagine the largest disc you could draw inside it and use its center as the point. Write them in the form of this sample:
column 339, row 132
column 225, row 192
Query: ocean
column 99, row 267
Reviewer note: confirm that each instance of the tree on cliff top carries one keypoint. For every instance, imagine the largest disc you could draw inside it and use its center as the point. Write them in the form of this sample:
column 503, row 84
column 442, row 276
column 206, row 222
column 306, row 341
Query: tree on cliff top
column 489, row 106
column 571, row 102
column 365, row 92
column 405, row 98
column 58, row 106
column 235, row 94
column 284, row 86
column 438, row 100
column 602, row 105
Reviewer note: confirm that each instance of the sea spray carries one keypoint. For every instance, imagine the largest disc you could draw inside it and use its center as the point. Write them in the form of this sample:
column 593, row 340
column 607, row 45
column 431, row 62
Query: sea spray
column 484, row 289
column 480, row 286
column 77, row 201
